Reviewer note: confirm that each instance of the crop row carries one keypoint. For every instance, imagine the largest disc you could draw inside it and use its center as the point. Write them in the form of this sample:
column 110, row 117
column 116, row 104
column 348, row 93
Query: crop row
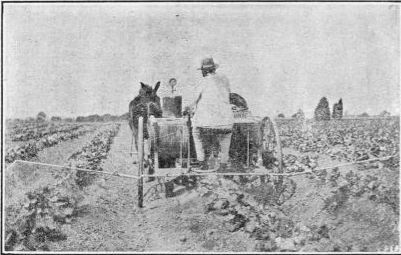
column 248, row 211
column 30, row 150
column 375, row 188
column 37, row 220
column 19, row 128
column 37, row 133
column 253, row 207
column 349, row 140
column 91, row 155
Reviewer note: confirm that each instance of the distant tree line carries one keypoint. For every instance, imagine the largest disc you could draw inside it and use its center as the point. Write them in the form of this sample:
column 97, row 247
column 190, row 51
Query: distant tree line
column 55, row 118
column 102, row 118
column 322, row 112
column 42, row 117
column 299, row 115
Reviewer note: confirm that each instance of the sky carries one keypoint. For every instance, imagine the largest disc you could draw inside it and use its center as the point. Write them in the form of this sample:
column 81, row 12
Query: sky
column 70, row 59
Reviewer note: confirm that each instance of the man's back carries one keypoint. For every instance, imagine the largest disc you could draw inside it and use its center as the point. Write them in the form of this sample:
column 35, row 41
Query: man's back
column 214, row 107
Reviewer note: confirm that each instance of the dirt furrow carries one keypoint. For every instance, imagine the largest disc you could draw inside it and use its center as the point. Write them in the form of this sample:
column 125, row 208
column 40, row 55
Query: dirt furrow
column 59, row 153
column 111, row 221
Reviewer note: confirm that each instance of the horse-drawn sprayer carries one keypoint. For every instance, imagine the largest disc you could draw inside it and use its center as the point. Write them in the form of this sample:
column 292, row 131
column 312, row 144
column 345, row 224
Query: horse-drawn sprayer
column 167, row 152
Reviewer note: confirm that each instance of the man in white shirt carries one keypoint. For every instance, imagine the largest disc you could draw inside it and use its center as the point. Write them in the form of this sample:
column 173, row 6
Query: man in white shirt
column 213, row 115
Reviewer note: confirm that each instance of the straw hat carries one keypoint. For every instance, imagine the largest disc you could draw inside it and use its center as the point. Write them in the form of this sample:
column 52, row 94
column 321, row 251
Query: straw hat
column 208, row 63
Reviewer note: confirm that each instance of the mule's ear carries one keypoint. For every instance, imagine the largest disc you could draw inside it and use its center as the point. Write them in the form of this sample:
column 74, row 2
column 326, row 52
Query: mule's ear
column 142, row 85
column 156, row 86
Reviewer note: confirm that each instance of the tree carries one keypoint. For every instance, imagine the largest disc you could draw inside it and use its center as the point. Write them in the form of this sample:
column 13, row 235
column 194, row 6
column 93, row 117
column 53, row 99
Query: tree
column 338, row 110
column 384, row 114
column 364, row 115
column 41, row 116
column 93, row 118
column 68, row 119
column 55, row 118
column 299, row 115
column 106, row 117
column 322, row 111
column 281, row 115
column 125, row 116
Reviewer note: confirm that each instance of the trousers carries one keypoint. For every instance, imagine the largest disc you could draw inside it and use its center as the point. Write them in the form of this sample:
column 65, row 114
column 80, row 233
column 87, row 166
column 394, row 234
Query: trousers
column 208, row 137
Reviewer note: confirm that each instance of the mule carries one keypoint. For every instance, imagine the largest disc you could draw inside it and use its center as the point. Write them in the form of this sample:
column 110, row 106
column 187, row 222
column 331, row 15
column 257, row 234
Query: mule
column 147, row 103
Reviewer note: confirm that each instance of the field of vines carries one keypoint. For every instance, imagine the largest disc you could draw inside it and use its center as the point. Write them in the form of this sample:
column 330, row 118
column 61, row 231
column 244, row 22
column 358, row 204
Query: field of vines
column 340, row 199
column 39, row 199
column 341, row 194
column 337, row 206
column 25, row 140
column 341, row 140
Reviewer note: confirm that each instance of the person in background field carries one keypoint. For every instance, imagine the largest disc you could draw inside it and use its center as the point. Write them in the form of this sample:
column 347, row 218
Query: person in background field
column 212, row 111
